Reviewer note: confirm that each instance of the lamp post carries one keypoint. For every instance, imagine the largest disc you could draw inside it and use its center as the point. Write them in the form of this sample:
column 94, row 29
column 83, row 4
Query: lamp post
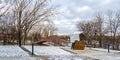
column 108, row 48
column 32, row 45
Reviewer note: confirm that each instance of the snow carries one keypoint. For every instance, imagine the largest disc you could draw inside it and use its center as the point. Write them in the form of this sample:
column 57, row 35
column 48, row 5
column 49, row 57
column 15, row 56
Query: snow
column 10, row 52
column 19, row 58
column 7, row 51
column 97, row 53
column 105, row 50
column 104, row 56
column 54, row 53
column 45, row 50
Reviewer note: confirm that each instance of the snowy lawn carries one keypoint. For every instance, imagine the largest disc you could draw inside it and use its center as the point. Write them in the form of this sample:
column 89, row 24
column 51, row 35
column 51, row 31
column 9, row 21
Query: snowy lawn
column 10, row 50
column 97, row 53
column 55, row 53
column 105, row 50
column 48, row 50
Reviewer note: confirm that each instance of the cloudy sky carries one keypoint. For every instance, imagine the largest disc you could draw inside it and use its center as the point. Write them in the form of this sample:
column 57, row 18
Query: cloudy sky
column 73, row 11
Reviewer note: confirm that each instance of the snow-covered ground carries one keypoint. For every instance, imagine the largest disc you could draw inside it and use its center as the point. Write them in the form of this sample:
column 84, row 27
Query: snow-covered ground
column 7, row 51
column 104, row 55
column 11, row 52
column 97, row 53
column 105, row 50
column 55, row 53
column 48, row 50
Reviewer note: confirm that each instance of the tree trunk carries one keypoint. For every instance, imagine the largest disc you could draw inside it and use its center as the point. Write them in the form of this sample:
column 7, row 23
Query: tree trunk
column 114, row 39
column 19, row 38
column 24, row 38
column 4, row 42
column 117, row 45
column 100, row 43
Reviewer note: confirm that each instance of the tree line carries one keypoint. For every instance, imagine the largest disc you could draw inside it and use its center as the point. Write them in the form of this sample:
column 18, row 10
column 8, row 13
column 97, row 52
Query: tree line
column 102, row 29
column 24, row 18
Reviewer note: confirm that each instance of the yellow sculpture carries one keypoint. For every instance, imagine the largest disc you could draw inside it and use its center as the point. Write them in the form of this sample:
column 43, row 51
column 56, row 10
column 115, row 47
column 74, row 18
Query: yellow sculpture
column 79, row 45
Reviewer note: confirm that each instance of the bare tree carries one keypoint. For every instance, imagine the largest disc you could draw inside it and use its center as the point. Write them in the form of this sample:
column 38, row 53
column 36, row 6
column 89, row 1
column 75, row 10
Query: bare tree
column 114, row 24
column 100, row 30
column 49, row 29
column 27, row 13
column 101, row 25
column 3, row 23
column 87, row 29
column 93, row 29
column 46, row 28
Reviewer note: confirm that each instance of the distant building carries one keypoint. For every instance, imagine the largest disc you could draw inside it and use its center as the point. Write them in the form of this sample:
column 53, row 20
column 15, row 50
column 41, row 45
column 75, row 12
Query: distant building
column 41, row 40
column 63, row 42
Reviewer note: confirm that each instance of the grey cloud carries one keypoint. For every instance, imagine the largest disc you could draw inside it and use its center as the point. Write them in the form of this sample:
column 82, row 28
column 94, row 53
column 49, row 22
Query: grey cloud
column 72, row 5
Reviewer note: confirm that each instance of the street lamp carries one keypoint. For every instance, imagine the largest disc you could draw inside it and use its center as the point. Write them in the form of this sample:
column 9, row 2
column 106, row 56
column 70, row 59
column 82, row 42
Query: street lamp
column 32, row 46
column 108, row 47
